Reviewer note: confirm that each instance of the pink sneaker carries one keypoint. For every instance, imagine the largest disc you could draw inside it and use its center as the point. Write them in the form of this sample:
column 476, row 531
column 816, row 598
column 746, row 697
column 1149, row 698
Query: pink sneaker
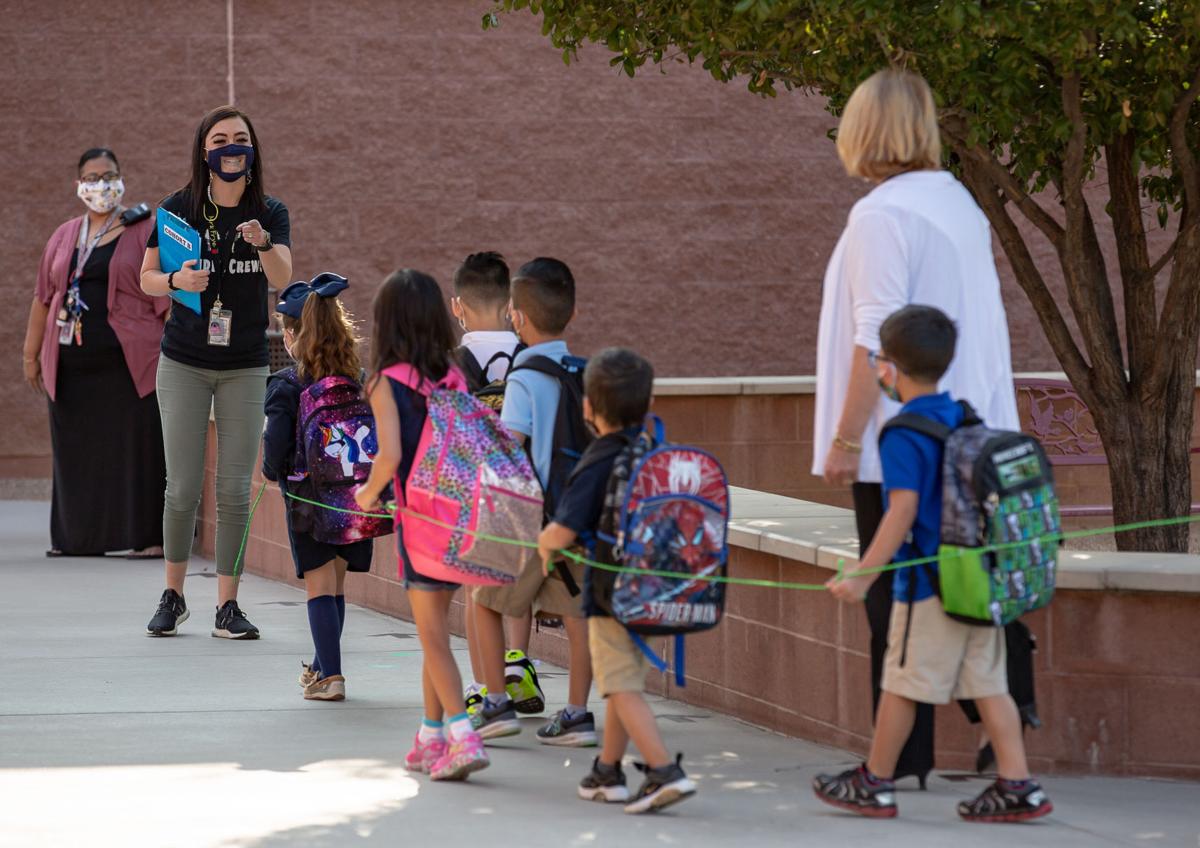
column 463, row 757
column 422, row 757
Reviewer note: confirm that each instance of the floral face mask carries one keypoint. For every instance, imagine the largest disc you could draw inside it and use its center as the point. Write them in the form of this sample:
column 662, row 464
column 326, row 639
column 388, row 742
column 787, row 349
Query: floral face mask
column 102, row 195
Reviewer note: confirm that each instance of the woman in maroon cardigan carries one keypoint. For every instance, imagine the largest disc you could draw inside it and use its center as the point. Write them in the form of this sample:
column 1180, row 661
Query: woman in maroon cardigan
column 92, row 348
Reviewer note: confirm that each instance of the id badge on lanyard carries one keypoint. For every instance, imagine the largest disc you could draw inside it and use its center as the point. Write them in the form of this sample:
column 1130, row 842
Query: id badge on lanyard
column 70, row 316
column 220, row 325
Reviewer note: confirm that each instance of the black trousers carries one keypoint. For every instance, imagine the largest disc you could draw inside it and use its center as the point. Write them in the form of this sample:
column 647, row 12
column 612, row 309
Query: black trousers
column 917, row 754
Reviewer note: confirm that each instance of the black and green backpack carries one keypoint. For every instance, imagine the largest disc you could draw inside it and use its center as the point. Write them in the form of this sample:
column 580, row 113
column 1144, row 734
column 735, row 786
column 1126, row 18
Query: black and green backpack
column 1000, row 529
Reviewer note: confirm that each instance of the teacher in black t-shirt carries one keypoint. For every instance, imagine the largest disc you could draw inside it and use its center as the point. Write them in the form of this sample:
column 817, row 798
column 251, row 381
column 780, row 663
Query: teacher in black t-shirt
column 217, row 359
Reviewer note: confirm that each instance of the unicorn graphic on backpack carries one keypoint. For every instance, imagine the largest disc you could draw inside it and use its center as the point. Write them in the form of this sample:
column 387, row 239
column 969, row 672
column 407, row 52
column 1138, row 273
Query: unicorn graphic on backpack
column 346, row 449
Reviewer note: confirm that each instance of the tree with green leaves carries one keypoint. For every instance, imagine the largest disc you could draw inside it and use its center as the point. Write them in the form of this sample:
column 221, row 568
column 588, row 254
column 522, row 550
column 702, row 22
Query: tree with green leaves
column 1032, row 96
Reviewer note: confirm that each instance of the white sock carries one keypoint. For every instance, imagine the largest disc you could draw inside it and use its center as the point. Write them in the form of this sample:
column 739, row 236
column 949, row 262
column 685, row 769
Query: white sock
column 429, row 731
column 459, row 726
column 573, row 711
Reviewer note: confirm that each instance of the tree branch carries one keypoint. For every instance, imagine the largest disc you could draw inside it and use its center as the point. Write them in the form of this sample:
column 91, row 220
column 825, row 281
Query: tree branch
column 1003, row 179
column 1082, row 261
column 1133, row 254
column 991, row 200
column 1185, row 159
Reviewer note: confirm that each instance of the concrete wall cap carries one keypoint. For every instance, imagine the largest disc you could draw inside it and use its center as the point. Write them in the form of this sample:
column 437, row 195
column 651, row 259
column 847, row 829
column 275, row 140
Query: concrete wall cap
column 825, row 536
column 791, row 385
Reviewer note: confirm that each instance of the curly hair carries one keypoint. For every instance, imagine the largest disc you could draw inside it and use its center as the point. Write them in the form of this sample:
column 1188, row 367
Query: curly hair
column 325, row 340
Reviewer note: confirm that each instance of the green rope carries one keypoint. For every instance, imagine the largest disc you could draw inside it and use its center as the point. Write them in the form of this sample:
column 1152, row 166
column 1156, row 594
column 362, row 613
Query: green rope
column 237, row 563
column 747, row 581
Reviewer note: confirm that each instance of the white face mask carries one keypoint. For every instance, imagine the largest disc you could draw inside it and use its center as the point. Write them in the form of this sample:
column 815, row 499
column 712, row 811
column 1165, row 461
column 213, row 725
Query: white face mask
column 102, row 195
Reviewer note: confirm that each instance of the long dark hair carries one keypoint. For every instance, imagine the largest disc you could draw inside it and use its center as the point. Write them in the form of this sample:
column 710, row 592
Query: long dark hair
column 254, row 198
column 411, row 324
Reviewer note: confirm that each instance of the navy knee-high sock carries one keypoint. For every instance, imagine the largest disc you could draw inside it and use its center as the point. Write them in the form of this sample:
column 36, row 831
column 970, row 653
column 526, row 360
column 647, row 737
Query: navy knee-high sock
column 325, row 626
column 341, row 609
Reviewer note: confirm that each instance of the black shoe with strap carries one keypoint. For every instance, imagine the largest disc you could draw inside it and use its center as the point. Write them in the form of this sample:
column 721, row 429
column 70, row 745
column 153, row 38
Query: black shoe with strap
column 232, row 623
column 1007, row 801
column 172, row 611
column 857, row 791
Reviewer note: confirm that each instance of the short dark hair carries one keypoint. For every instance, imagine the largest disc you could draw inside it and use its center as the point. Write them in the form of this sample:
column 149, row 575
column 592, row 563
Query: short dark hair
column 482, row 279
column 920, row 340
column 619, row 384
column 97, row 153
column 545, row 291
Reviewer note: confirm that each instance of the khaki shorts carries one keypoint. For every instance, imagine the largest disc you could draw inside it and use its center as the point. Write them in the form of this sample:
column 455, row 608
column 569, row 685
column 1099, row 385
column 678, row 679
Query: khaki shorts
column 546, row 596
column 618, row 665
column 947, row 659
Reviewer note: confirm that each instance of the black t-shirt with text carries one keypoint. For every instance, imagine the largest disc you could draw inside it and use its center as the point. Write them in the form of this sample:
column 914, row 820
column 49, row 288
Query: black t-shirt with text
column 236, row 275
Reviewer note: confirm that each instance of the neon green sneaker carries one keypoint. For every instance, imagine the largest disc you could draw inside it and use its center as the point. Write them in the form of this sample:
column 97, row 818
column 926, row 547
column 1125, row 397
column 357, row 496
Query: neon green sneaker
column 522, row 683
column 473, row 698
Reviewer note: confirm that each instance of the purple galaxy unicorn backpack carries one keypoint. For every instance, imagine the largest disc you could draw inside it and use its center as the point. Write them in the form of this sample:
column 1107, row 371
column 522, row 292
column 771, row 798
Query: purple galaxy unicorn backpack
column 471, row 486
column 335, row 446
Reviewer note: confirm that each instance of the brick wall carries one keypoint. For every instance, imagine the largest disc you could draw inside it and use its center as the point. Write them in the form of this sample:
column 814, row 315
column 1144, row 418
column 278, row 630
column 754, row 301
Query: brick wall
column 698, row 218
column 765, row 443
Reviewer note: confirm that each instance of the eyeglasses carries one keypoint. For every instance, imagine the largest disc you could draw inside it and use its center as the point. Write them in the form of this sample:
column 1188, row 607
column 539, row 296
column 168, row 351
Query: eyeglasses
column 107, row 176
column 875, row 357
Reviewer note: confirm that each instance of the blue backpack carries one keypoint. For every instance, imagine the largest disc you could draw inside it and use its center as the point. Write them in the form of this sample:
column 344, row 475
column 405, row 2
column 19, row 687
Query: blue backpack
column 666, row 510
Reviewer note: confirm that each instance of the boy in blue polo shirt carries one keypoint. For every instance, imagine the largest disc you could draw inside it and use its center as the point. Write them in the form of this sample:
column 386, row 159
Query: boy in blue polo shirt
column 931, row 658
column 542, row 306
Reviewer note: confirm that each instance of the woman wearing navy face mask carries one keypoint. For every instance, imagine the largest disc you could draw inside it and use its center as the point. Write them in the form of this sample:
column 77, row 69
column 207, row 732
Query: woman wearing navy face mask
column 216, row 359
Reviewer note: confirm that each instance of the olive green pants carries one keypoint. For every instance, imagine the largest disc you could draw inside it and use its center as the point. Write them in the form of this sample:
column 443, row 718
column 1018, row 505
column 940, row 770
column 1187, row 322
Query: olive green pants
column 185, row 397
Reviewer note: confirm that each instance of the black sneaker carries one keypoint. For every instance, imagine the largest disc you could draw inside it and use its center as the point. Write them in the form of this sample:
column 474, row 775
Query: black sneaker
column 662, row 787
column 1007, row 801
column 604, row 783
column 569, row 732
column 171, row 612
column 859, row 792
column 495, row 722
column 233, row 624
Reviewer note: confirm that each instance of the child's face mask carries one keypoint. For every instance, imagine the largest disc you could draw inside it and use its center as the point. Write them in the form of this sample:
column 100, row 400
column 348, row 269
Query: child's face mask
column 517, row 318
column 885, row 368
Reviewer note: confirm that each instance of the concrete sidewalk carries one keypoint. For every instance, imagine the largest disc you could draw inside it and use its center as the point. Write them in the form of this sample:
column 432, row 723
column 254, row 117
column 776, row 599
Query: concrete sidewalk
column 108, row 737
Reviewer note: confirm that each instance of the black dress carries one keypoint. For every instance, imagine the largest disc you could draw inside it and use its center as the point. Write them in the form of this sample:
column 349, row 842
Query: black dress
column 109, row 467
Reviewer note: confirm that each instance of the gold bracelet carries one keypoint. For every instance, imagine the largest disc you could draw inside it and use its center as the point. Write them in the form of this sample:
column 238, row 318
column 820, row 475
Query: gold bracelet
column 847, row 445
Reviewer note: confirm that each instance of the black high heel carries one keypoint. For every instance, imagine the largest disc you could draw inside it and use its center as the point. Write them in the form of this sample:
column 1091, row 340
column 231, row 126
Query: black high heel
column 922, row 778
column 985, row 759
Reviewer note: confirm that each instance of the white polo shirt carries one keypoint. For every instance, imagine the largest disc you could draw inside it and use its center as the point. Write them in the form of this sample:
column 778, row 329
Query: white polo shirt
column 916, row 238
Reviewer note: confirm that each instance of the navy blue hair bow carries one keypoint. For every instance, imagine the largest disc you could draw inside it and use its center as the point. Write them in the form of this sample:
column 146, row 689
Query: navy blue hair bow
column 327, row 284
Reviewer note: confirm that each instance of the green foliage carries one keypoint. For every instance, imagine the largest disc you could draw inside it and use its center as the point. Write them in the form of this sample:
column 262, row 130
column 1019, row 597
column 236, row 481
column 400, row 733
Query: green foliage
column 997, row 67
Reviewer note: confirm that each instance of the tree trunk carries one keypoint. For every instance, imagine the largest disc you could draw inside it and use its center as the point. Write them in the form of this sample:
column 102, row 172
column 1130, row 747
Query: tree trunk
column 1148, row 449
column 1147, row 433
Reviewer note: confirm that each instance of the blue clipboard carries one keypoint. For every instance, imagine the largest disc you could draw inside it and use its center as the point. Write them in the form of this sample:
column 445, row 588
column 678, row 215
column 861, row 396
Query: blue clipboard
column 177, row 243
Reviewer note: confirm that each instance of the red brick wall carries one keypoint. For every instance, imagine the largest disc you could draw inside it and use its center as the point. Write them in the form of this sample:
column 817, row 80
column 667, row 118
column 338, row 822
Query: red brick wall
column 765, row 443
column 698, row 217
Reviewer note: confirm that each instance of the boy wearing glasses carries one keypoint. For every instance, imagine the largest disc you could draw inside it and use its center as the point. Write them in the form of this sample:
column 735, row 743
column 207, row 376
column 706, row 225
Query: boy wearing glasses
column 931, row 658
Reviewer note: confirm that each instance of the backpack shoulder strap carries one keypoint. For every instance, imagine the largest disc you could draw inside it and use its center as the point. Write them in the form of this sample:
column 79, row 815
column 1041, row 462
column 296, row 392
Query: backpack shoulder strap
column 476, row 376
column 543, row 365
column 918, row 423
column 407, row 375
column 970, row 416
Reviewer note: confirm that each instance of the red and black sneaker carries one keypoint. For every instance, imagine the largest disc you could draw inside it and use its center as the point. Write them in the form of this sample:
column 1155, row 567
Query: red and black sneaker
column 1007, row 801
column 858, row 791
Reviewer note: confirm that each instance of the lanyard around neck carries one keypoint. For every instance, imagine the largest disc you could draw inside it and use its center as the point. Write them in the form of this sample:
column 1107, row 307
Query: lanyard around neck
column 85, row 253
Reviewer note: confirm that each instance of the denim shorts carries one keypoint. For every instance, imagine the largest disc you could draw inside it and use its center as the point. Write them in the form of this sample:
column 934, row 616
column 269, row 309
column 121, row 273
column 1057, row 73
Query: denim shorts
column 413, row 581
